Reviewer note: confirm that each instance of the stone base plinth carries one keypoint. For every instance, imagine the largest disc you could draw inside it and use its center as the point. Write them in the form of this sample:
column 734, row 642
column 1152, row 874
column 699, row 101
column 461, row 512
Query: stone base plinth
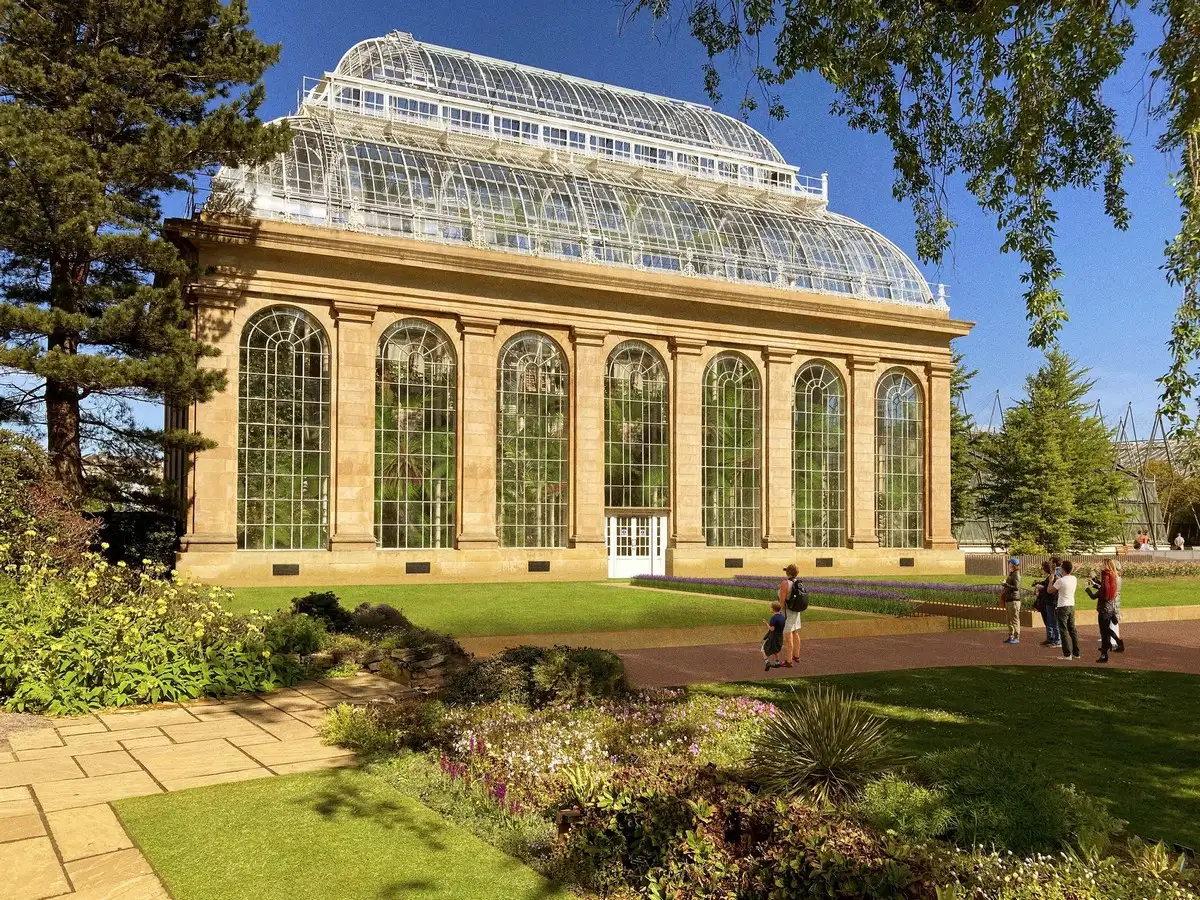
column 716, row 562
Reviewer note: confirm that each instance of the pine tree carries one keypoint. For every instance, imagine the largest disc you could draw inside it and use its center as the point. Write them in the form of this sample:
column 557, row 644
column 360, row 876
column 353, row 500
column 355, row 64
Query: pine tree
column 1053, row 466
column 963, row 444
column 105, row 106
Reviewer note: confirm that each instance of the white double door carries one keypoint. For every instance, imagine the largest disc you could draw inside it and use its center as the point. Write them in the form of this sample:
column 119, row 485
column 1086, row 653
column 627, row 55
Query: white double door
column 637, row 545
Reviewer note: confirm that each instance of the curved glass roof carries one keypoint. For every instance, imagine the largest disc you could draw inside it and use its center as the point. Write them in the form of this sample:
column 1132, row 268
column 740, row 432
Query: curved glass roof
column 359, row 173
column 397, row 59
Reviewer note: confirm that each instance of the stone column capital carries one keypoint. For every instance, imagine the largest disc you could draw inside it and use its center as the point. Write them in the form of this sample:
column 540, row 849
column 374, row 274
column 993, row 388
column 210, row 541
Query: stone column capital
column 778, row 355
column 353, row 311
column 939, row 369
column 586, row 337
column 686, row 346
column 479, row 326
column 862, row 363
column 216, row 295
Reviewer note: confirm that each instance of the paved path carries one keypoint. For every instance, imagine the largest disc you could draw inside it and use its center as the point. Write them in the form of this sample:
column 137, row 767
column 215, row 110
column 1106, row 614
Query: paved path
column 1162, row 646
column 59, row 837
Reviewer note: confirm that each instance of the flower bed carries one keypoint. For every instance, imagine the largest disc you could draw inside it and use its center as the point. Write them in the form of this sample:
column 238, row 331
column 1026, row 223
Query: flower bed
column 870, row 600
column 902, row 587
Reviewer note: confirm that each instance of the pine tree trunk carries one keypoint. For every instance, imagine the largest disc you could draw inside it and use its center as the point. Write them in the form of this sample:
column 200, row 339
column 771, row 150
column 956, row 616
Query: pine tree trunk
column 62, row 432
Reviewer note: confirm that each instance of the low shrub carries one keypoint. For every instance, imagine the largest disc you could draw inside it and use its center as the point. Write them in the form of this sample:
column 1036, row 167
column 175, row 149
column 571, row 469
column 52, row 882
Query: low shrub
column 412, row 724
column 823, row 745
column 31, row 500
column 296, row 633
column 377, row 618
column 538, row 676
column 1011, row 802
column 912, row 812
column 326, row 607
column 98, row 635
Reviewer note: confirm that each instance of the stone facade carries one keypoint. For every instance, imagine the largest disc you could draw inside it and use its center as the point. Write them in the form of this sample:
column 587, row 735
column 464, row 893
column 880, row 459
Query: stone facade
column 356, row 285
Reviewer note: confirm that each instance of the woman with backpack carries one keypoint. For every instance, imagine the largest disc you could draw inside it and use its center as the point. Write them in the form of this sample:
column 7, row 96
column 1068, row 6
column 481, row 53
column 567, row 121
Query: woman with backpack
column 794, row 601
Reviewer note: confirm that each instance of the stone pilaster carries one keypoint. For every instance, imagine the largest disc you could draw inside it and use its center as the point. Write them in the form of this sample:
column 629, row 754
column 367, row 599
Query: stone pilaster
column 938, row 535
column 687, row 422
column 779, row 516
column 477, row 445
column 212, row 484
column 588, row 378
column 354, row 427
column 861, row 502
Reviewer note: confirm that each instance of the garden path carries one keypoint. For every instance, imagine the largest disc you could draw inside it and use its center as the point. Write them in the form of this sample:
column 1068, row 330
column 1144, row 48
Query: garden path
column 1161, row 646
column 59, row 837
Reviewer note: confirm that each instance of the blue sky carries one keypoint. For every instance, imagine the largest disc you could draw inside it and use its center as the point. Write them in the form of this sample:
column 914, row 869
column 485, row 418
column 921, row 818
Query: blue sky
column 1118, row 298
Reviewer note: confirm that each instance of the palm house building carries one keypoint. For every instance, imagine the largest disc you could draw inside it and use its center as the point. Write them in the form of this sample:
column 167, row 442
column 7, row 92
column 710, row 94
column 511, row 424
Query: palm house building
column 483, row 321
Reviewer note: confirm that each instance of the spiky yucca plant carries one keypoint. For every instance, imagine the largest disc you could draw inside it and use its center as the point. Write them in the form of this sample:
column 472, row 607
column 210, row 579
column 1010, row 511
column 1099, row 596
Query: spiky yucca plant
column 823, row 745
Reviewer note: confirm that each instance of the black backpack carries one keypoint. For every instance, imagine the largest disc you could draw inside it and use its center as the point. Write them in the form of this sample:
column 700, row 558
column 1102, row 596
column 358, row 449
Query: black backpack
column 797, row 600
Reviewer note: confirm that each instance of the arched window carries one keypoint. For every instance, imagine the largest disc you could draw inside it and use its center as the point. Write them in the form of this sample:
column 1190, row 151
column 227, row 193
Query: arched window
column 283, row 432
column 637, row 457
column 899, row 462
column 532, row 445
column 819, row 457
column 415, row 420
column 732, row 456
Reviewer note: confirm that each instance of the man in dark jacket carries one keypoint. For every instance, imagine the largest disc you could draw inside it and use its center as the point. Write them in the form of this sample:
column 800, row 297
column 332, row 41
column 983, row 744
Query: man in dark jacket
column 1010, row 596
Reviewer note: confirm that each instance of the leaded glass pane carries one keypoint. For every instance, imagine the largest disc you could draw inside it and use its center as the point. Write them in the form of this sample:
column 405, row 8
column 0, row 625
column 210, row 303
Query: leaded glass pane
column 731, row 453
column 637, row 459
column 532, row 446
column 899, row 462
column 415, row 437
column 819, row 457
column 283, row 433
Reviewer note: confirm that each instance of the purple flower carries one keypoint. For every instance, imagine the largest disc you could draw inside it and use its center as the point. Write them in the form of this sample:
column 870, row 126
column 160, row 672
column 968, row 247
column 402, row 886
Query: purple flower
column 694, row 749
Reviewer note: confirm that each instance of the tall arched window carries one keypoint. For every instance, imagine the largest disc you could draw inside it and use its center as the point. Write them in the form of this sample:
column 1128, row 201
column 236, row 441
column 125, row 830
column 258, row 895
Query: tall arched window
column 637, row 456
column 732, row 456
column 415, row 420
column 532, row 446
column 899, row 462
column 283, row 432
column 819, row 457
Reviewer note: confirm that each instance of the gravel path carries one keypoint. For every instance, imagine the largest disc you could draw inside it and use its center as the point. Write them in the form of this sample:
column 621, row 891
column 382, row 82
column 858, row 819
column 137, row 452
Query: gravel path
column 10, row 722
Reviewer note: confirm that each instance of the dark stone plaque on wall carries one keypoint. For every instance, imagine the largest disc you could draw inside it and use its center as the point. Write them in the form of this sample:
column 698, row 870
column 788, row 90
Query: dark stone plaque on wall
column 907, row 562
column 824, row 562
column 285, row 569
column 416, row 568
column 539, row 565
column 733, row 562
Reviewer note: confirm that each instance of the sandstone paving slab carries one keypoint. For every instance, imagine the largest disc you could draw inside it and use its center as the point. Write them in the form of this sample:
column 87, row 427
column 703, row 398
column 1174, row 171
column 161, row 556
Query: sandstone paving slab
column 311, row 765
column 29, row 870
column 97, row 742
column 85, row 728
column 279, row 724
column 217, row 714
column 34, row 738
column 143, row 887
column 156, row 740
column 108, row 871
column 313, row 717
column 223, row 727
column 87, row 831
column 284, row 752
column 177, row 761
column 38, row 770
column 364, row 687
column 147, row 718
column 290, row 700
column 321, row 692
column 113, row 762
column 19, row 818
column 183, row 784
column 251, row 740
column 56, row 795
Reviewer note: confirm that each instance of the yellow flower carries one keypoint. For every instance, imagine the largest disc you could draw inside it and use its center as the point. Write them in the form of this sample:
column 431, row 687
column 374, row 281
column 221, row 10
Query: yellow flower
column 266, row 654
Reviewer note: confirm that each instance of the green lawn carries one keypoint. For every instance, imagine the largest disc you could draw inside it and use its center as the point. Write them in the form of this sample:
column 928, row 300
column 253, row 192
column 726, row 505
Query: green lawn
column 475, row 610
column 1130, row 737
column 335, row 835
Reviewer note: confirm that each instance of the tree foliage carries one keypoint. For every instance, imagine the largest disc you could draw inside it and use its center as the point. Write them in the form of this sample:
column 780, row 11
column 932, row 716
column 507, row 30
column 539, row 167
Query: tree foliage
column 1053, row 479
column 964, row 444
column 105, row 106
column 1009, row 95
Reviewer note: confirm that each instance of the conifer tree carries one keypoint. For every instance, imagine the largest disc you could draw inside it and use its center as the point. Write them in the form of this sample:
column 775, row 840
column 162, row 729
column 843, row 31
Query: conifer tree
column 1053, row 479
column 963, row 444
column 105, row 106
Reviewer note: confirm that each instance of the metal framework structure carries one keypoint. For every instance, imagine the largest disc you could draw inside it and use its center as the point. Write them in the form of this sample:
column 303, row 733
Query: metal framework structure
column 532, row 452
column 283, row 432
column 899, row 461
column 819, row 457
column 408, row 139
column 637, row 451
column 416, row 378
column 732, row 452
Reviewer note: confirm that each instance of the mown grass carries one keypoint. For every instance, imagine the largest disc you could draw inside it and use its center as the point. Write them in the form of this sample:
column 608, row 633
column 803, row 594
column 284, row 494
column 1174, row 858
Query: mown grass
column 1130, row 737
column 335, row 835
column 477, row 610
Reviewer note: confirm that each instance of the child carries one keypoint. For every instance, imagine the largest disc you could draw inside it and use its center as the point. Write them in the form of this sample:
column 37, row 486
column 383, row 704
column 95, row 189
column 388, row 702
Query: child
column 773, row 640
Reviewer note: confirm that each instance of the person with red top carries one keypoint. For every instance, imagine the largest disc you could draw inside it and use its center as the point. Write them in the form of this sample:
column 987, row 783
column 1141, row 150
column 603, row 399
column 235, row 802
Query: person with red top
column 1106, row 608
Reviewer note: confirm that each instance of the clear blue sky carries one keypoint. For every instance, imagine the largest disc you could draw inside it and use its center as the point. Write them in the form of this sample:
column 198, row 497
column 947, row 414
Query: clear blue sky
column 1119, row 301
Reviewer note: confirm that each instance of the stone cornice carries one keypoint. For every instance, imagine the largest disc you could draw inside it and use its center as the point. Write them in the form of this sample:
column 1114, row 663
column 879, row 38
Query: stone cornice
column 215, row 296
column 586, row 337
column 478, row 326
column 356, row 247
column 939, row 369
column 862, row 363
column 349, row 311
column 778, row 355
column 686, row 347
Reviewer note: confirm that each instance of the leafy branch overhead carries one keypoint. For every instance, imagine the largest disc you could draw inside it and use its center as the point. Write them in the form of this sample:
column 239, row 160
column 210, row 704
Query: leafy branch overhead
column 1009, row 95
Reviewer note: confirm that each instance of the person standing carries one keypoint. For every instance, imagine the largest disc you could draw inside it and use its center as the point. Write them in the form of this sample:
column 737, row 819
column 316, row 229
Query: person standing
column 1063, row 590
column 773, row 639
column 791, row 627
column 1179, row 542
column 1106, row 609
column 1010, row 596
column 1045, row 605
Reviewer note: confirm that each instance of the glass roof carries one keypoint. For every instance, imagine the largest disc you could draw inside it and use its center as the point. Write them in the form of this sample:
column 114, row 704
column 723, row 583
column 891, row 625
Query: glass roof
column 397, row 59
column 364, row 174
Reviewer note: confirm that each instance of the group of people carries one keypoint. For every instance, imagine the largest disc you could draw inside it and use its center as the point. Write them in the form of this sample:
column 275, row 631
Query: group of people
column 783, row 636
column 1142, row 541
column 1056, row 602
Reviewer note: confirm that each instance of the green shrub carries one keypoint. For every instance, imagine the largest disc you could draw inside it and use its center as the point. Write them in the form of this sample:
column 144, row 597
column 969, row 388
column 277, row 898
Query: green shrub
column 823, row 745
column 99, row 635
column 912, row 812
column 539, row 676
column 357, row 728
column 324, row 606
column 1010, row 802
column 378, row 618
column 296, row 633
column 414, row 724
